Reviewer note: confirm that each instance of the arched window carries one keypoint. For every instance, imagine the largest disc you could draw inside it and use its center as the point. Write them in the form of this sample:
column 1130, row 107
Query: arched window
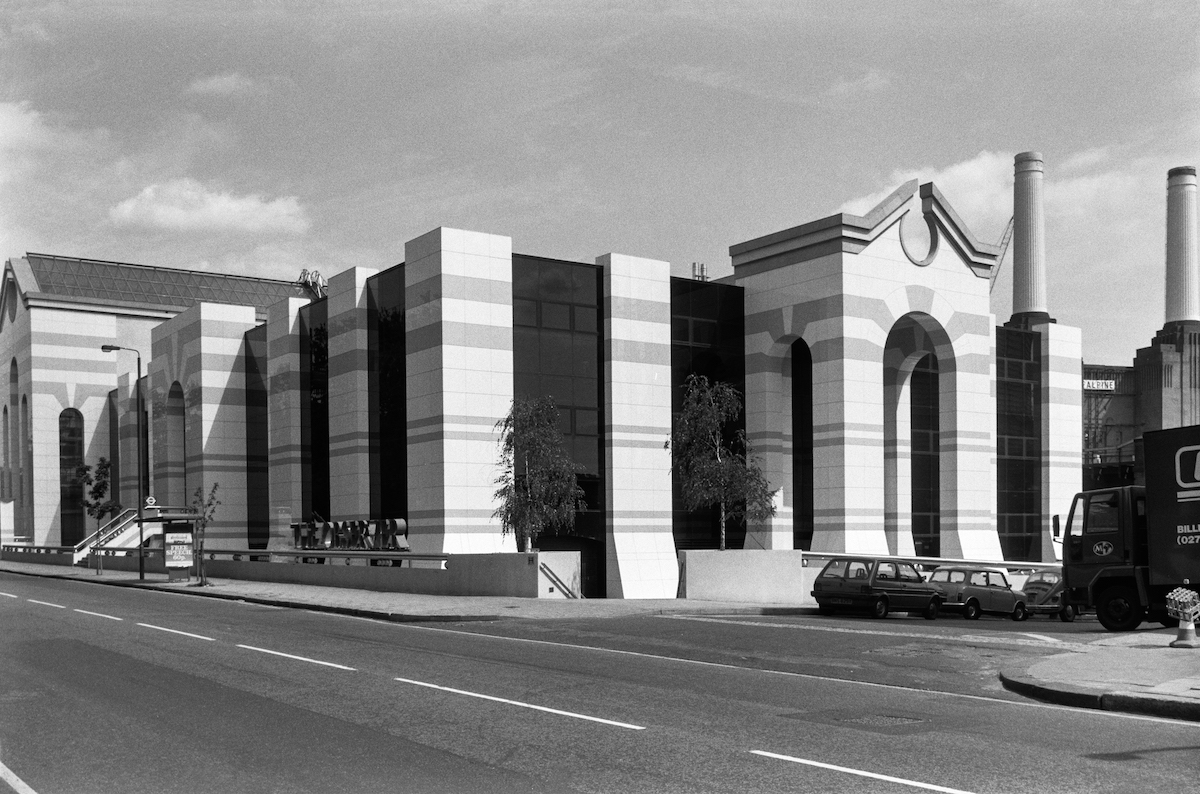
column 72, row 515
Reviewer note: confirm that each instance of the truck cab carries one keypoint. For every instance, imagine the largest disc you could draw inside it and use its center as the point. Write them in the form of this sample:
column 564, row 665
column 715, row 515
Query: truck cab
column 1105, row 556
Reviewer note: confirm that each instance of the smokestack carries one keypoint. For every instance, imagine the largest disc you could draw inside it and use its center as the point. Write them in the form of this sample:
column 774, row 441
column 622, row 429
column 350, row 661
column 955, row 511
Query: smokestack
column 1029, row 242
column 1183, row 269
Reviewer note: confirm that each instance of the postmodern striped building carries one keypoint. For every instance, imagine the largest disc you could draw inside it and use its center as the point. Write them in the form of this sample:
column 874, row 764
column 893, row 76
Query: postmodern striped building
column 889, row 411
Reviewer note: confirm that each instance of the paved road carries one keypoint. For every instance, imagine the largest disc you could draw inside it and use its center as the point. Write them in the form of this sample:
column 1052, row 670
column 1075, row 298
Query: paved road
column 109, row 689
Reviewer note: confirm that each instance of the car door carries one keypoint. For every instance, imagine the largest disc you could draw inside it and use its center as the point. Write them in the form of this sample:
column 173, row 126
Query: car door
column 887, row 582
column 1002, row 597
column 916, row 592
column 977, row 588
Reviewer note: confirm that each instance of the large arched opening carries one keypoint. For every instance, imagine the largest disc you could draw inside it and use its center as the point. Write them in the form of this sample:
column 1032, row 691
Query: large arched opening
column 802, row 445
column 919, row 375
column 174, row 466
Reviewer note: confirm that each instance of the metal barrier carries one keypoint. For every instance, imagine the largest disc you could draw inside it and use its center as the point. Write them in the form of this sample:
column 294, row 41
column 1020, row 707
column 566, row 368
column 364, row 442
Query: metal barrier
column 395, row 559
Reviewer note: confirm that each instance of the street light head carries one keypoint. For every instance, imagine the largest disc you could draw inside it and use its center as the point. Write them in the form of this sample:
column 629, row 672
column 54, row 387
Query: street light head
column 109, row 348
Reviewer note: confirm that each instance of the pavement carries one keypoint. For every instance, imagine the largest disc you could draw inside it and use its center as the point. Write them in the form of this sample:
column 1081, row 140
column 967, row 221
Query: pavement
column 1136, row 672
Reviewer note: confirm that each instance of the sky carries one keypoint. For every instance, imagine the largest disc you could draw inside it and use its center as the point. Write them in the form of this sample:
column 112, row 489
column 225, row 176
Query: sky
column 266, row 138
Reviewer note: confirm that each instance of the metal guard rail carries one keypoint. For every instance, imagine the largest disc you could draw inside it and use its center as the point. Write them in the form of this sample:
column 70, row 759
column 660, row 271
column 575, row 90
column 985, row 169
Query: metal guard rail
column 345, row 554
column 558, row 582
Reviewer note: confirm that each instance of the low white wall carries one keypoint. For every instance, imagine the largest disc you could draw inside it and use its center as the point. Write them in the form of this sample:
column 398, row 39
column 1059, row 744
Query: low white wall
column 777, row 576
column 518, row 575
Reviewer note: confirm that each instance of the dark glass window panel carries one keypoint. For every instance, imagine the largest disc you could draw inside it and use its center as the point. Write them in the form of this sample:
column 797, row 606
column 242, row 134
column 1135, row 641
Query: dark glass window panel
column 554, row 282
column 524, row 312
column 587, row 422
column 526, row 350
column 704, row 332
column 584, row 284
column 527, row 384
column 525, row 278
column 559, row 388
column 556, row 315
column 586, row 392
column 585, row 319
column 555, row 351
column 583, row 363
column 564, row 421
column 586, row 452
column 681, row 329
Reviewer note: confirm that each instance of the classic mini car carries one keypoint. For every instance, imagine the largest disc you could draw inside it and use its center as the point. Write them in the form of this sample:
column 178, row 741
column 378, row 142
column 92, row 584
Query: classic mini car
column 973, row 591
column 876, row 585
column 1044, row 591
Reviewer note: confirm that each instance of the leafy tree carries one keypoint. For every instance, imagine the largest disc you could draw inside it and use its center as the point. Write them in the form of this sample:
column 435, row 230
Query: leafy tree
column 712, row 469
column 539, row 491
column 205, row 508
column 97, row 503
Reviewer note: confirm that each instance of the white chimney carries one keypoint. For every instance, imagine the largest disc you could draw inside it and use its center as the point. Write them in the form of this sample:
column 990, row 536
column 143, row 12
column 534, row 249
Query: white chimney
column 1183, row 269
column 1029, row 242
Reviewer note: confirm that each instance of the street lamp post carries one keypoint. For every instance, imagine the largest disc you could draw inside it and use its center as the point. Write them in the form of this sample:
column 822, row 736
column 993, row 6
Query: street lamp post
column 137, row 386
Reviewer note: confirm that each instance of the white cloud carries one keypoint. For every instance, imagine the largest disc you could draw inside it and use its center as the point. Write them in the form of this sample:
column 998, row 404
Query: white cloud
column 979, row 189
column 185, row 204
column 873, row 80
column 227, row 84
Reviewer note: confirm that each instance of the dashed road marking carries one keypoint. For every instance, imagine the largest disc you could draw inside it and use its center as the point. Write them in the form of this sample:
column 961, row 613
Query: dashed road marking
column 176, row 631
column 8, row 595
column 861, row 773
column 298, row 658
column 523, row 705
column 97, row 614
column 45, row 603
column 14, row 782
column 1041, row 637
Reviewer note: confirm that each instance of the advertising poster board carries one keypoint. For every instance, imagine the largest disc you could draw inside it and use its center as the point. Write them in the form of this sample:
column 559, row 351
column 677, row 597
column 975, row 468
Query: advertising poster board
column 177, row 546
column 1173, row 505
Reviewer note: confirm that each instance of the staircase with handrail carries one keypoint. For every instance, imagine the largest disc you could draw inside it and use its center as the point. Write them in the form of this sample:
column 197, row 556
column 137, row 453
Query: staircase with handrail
column 112, row 533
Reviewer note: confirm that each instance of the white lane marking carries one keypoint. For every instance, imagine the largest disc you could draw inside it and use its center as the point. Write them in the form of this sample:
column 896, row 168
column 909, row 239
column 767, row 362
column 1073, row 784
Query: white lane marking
column 1041, row 637
column 14, row 782
column 97, row 614
column 861, row 773
column 176, row 631
column 810, row 677
column 522, row 705
column 998, row 639
column 298, row 658
column 8, row 595
column 45, row 603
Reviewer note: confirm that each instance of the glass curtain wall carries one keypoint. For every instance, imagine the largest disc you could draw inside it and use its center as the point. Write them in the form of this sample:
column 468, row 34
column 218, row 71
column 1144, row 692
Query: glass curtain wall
column 1019, row 443
column 924, row 458
column 707, row 330
column 258, row 510
column 557, row 352
column 386, row 367
column 314, row 409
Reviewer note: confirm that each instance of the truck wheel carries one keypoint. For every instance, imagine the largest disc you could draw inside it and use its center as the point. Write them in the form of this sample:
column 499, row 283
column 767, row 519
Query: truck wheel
column 1118, row 608
column 972, row 611
column 1067, row 614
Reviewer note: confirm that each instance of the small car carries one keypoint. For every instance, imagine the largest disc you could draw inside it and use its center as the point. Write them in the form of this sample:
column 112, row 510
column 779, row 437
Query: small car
column 1044, row 593
column 877, row 585
column 974, row 590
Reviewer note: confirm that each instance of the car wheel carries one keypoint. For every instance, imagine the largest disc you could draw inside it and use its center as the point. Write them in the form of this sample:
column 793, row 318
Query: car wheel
column 972, row 611
column 879, row 608
column 824, row 610
column 1067, row 614
column 1019, row 612
column 931, row 612
column 1119, row 609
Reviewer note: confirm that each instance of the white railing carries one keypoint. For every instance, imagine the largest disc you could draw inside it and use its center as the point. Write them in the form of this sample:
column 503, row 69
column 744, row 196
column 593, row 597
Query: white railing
column 103, row 534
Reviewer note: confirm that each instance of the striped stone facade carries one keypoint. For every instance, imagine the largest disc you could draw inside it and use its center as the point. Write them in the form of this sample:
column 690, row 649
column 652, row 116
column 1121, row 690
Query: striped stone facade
column 868, row 309
column 459, row 378
column 350, row 426
column 197, row 400
column 637, row 397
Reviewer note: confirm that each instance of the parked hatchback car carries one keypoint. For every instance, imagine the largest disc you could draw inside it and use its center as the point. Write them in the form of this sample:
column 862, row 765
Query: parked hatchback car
column 876, row 585
column 974, row 590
